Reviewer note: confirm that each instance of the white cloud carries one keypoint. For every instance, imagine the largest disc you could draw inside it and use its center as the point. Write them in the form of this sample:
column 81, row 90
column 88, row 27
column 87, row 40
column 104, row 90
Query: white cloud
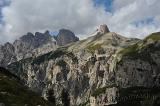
column 79, row 16
column 38, row 15
column 126, row 12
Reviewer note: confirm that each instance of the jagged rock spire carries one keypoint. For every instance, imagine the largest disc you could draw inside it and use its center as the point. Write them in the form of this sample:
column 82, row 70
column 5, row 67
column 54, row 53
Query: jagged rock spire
column 103, row 28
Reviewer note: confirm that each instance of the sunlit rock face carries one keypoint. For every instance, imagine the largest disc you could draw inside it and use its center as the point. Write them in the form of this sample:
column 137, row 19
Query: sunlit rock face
column 93, row 71
column 103, row 29
column 80, row 68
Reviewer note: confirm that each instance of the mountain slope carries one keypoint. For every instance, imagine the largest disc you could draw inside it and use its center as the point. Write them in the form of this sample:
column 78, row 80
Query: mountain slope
column 31, row 45
column 95, row 71
column 78, row 68
column 12, row 93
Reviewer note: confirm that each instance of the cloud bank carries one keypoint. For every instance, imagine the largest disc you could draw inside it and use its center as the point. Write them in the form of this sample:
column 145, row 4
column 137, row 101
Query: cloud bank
column 133, row 18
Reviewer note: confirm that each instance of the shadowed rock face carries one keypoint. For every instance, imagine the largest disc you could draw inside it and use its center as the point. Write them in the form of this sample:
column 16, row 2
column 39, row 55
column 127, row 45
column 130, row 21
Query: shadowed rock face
column 31, row 45
column 7, row 54
column 66, row 36
column 28, row 45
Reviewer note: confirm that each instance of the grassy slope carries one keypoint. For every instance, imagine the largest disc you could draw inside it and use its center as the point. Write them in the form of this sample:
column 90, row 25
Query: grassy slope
column 12, row 93
column 134, row 48
column 154, row 36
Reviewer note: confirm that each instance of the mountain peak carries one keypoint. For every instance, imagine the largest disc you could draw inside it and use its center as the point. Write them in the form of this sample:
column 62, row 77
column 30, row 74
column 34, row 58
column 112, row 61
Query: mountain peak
column 103, row 29
column 66, row 36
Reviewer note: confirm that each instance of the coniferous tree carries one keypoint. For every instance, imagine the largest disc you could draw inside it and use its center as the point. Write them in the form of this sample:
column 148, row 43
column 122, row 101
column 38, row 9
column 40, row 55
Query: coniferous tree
column 65, row 98
column 51, row 97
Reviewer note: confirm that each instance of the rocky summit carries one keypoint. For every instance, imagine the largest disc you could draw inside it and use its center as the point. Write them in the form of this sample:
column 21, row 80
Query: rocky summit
column 103, row 29
column 66, row 36
column 106, row 69
column 31, row 45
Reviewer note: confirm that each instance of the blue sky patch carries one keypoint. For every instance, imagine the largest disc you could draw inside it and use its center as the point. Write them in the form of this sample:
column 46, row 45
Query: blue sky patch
column 106, row 3
column 3, row 4
column 146, row 21
column 54, row 33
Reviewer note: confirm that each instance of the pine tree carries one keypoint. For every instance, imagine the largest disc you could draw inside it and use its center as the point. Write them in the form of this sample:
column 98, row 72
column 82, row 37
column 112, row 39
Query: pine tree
column 65, row 98
column 50, row 96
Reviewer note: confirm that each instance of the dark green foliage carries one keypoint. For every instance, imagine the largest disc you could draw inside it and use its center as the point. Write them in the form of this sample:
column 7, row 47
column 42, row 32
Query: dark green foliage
column 51, row 97
column 13, row 93
column 7, row 73
column 99, row 91
column 73, row 57
column 17, row 66
column 138, row 96
column 142, row 51
column 153, row 36
column 157, row 102
column 65, row 98
column 65, row 69
column 129, row 50
column 61, row 63
column 92, row 48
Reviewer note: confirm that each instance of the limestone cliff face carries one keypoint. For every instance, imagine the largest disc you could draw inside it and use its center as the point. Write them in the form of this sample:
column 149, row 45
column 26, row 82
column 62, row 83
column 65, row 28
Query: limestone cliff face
column 27, row 46
column 7, row 54
column 79, row 68
column 94, row 71
column 140, row 66
column 33, row 45
column 30, row 45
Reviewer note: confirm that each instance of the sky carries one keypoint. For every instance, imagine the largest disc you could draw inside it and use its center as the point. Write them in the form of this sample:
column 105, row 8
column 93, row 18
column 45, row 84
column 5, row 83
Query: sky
column 130, row 18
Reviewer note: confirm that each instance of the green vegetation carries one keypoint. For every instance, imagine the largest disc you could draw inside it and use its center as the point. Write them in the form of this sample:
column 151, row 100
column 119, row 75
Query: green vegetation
column 91, row 48
column 129, row 50
column 61, row 63
column 153, row 36
column 140, row 45
column 51, row 96
column 65, row 98
column 99, row 91
column 12, row 93
column 141, row 50
column 138, row 96
column 136, row 52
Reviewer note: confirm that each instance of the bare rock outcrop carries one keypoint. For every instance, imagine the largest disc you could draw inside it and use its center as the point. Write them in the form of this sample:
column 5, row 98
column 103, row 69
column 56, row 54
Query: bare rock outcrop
column 66, row 36
column 103, row 29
